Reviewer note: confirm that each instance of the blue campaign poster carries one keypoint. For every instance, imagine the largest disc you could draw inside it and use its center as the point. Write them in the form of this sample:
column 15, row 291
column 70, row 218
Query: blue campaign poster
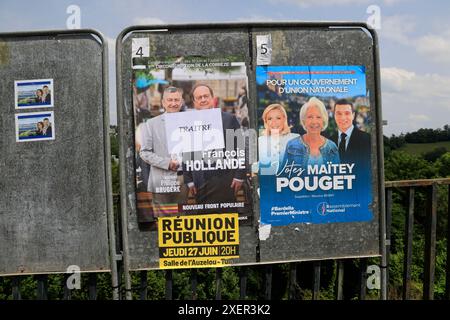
column 314, row 144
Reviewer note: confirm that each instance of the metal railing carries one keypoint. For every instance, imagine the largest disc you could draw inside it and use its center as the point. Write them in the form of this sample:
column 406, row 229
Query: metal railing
column 316, row 268
column 430, row 232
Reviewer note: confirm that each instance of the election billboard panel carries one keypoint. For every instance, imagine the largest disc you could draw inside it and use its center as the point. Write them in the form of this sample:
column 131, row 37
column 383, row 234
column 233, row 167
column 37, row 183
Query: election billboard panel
column 249, row 145
column 55, row 193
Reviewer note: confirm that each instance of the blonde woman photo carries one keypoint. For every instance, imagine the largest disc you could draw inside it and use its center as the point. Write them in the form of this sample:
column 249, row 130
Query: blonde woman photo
column 275, row 136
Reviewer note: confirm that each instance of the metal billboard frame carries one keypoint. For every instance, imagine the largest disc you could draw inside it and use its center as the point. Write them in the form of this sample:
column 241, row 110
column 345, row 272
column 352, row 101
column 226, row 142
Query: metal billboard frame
column 113, row 256
column 208, row 26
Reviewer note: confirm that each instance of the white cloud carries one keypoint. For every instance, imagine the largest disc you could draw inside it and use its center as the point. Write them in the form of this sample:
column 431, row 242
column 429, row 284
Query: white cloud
column 430, row 85
column 147, row 21
column 311, row 3
column 329, row 3
column 418, row 117
column 256, row 18
column 412, row 101
column 436, row 47
column 398, row 28
column 393, row 2
column 395, row 79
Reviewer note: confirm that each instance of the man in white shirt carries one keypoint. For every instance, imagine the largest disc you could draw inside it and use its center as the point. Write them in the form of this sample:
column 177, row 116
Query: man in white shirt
column 166, row 178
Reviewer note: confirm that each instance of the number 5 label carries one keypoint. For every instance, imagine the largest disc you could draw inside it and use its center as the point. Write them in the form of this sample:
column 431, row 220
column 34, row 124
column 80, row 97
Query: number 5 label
column 263, row 50
column 140, row 48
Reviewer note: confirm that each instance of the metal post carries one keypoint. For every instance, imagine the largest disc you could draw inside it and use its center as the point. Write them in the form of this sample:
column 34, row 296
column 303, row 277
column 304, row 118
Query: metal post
column 430, row 244
column 292, row 281
column 67, row 293
column 108, row 174
column 316, row 283
column 92, row 283
column 387, row 247
column 380, row 163
column 42, row 287
column 194, row 284
column 123, row 161
column 243, row 283
column 144, row 285
column 362, row 278
column 218, row 283
column 407, row 262
column 268, row 286
column 169, row 284
column 119, row 287
column 16, row 288
column 340, row 280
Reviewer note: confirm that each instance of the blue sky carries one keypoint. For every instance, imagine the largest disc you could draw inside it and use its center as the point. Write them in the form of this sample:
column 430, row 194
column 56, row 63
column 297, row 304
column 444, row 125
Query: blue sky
column 414, row 39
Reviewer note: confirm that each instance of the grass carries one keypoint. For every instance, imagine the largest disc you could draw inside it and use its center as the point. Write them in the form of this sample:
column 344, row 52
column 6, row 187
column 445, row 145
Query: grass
column 419, row 148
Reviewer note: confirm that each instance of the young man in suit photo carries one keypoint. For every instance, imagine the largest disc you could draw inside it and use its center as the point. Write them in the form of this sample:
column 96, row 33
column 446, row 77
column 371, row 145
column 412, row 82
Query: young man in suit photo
column 353, row 144
column 354, row 148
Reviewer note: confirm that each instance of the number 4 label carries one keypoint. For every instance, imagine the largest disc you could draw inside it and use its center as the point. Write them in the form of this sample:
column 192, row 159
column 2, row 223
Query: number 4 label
column 263, row 49
column 140, row 48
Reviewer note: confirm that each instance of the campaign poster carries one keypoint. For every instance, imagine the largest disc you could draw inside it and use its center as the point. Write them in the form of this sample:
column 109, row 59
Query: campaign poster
column 314, row 149
column 36, row 93
column 35, row 126
column 191, row 122
column 210, row 240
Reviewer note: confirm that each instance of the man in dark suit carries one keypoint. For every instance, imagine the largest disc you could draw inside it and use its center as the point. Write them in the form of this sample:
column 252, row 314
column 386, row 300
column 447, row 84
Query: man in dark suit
column 353, row 144
column 220, row 185
column 354, row 148
column 47, row 97
column 47, row 131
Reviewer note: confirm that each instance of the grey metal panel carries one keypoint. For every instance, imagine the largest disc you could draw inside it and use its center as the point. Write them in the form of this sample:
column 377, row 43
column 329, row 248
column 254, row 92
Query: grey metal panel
column 323, row 46
column 143, row 244
column 293, row 44
column 53, row 199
